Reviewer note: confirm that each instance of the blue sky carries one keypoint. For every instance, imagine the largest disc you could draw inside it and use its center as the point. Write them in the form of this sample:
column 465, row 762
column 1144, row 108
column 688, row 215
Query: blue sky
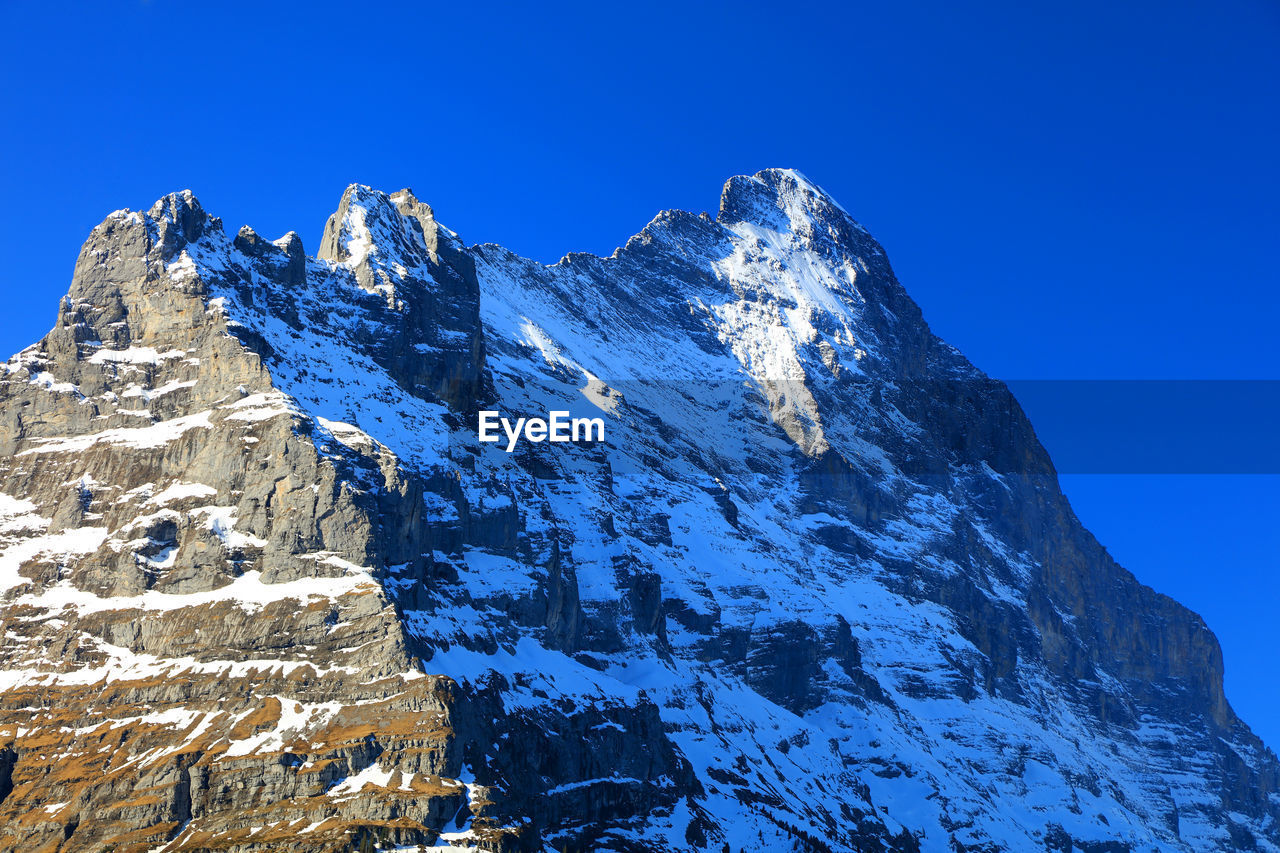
column 1070, row 191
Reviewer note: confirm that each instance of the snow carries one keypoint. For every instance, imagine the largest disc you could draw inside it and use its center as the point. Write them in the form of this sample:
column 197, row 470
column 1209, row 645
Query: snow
column 149, row 394
column 182, row 491
column 133, row 355
column 49, row 382
column 18, row 515
column 587, row 783
column 373, row 775
column 58, row 546
column 261, row 407
column 248, row 591
column 360, row 242
column 295, row 719
column 142, row 438
column 221, row 522
column 182, row 269
column 126, row 665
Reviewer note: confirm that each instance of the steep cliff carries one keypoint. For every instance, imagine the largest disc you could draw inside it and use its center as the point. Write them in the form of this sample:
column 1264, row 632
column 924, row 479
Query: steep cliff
column 816, row 589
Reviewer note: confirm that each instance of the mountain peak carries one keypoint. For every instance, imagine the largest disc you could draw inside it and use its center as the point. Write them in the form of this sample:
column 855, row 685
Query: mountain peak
column 183, row 210
column 819, row 573
column 349, row 235
column 776, row 197
column 371, row 225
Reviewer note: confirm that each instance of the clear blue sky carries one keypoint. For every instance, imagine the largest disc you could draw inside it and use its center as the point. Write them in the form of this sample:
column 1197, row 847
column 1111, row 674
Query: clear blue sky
column 1076, row 191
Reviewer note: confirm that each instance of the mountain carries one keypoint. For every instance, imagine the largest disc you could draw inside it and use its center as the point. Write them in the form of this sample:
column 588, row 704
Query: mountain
column 816, row 589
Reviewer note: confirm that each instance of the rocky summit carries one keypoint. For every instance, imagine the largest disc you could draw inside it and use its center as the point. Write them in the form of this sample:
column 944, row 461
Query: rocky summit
column 816, row 589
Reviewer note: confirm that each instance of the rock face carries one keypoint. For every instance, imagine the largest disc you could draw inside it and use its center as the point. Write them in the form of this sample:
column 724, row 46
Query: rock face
column 817, row 589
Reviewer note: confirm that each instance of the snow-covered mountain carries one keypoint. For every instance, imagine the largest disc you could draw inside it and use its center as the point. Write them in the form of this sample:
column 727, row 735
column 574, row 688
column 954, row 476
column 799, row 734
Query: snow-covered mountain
column 817, row 589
